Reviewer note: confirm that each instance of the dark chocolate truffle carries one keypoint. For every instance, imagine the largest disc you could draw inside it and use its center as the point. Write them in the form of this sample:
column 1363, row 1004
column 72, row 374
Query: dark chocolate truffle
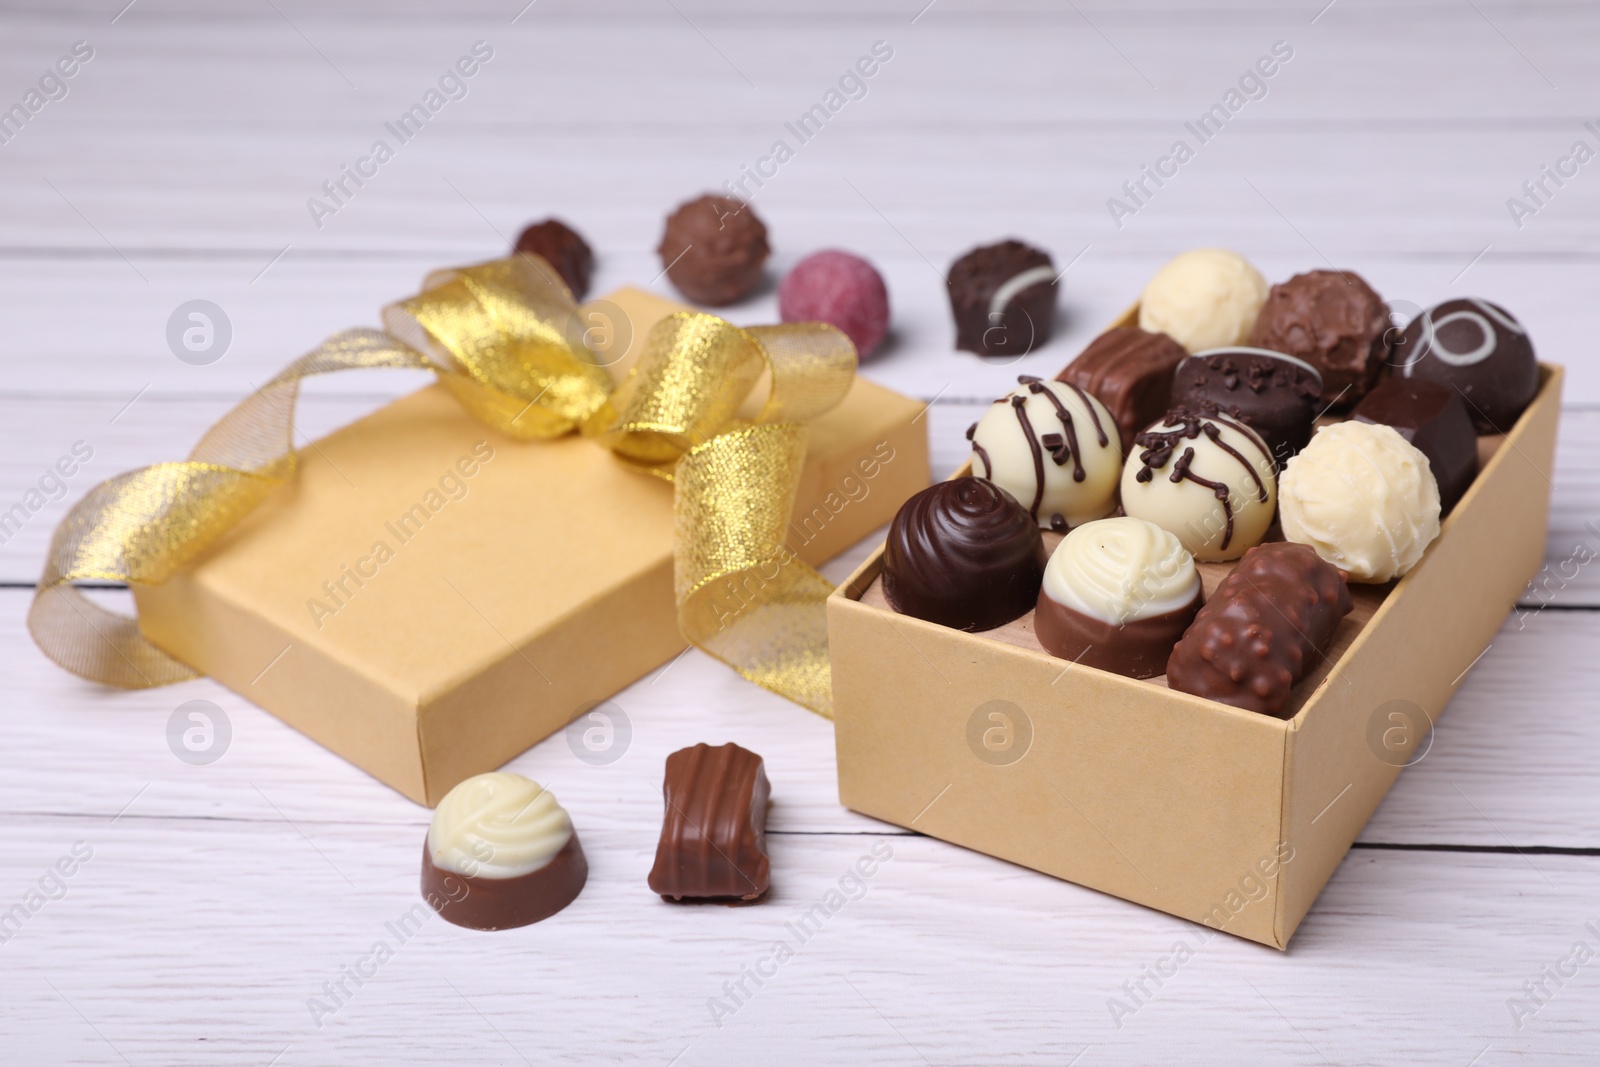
column 1130, row 372
column 963, row 554
column 1479, row 350
column 713, row 249
column 1274, row 394
column 1434, row 419
column 1003, row 297
column 1334, row 321
column 1262, row 629
column 560, row 245
column 843, row 290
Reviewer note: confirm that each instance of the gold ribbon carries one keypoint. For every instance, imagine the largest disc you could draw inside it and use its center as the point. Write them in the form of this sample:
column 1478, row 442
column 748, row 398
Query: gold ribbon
column 502, row 337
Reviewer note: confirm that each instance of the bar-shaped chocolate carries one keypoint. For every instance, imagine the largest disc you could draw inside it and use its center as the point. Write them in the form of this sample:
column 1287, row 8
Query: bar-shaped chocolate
column 1257, row 634
column 714, row 835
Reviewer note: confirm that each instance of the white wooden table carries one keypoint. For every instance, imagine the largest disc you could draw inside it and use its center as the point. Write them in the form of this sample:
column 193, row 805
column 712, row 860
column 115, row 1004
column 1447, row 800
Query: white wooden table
column 219, row 899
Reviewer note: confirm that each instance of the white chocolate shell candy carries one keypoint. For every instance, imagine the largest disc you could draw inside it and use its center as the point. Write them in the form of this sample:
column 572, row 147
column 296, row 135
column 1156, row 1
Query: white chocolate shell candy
column 1053, row 447
column 1204, row 298
column 1121, row 570
column 1364, row 498
column 1209, row 479
column 497, row 825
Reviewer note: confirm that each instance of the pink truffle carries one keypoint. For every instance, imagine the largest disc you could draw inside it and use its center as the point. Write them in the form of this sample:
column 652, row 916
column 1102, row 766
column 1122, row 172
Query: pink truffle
column 842, row 290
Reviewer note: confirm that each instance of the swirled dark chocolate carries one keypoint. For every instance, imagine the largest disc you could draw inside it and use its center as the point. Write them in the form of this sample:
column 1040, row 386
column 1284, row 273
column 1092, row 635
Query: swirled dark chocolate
column 1259, row 632
column 1477, row 349
column 963, row 554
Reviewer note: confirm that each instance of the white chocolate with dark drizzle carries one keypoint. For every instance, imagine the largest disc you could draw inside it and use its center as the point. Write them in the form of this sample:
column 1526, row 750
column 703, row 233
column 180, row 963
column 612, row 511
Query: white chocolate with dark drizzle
column 1053, row 447
column 1207, row 478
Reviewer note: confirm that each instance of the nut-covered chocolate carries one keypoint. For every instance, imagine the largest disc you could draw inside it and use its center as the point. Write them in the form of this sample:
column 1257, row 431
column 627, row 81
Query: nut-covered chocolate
column 1333, row 320
column 1434, row 419
column 1274, row 394
column 713, row 250
column 1479, row 350
column 1130, row 372
column 1262, row 630
column 560, row 245
column 963, row 554
column 1003, row 297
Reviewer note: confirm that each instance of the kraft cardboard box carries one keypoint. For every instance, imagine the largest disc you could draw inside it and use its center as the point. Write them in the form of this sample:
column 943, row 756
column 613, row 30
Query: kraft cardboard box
column 428, row 598
column 1225, row 817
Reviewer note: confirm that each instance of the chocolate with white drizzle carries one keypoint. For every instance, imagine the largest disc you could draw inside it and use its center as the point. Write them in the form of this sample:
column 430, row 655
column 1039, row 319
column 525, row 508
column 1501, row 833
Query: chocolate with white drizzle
column 1219, row 489
column 1053, row 447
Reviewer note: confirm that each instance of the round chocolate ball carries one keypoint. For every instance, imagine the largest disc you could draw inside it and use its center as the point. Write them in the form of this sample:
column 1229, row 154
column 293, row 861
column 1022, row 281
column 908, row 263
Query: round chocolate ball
column 1333, row 320
column 564, row 249
column 713, row 249
column 963, row 554
column 1479, row 350
column 842, row 290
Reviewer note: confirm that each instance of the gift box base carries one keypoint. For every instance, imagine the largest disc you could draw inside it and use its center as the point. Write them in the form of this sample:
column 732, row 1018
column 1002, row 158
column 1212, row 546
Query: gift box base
column 428, row 598
column 1224, row 817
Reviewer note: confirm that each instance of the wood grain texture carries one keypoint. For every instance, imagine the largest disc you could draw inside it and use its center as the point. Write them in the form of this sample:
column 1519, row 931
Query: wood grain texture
column 220, row 898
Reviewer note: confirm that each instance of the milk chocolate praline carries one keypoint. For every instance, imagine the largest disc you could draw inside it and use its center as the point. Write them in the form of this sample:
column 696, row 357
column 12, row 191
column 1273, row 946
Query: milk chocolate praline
column 713, row 249
column 963, row 554
column 562, row 247
column 1130, row 372
column 1334, row 321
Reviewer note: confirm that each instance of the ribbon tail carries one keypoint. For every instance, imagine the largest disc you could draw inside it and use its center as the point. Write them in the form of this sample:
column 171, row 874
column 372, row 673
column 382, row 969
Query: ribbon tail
column 142, row 526
column 743, row 595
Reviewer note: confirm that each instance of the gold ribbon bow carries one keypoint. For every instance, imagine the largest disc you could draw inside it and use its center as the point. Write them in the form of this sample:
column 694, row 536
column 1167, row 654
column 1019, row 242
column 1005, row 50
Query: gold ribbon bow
column 501, row 336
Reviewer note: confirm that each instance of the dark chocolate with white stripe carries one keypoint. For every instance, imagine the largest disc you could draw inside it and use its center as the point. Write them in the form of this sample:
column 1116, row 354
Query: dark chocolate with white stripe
column 1479, row 350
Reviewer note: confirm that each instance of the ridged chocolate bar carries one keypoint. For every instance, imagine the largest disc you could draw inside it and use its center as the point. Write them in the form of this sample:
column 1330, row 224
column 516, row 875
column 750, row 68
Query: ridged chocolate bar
column 1258, row 633
column 1129, row 371
column 714, row 836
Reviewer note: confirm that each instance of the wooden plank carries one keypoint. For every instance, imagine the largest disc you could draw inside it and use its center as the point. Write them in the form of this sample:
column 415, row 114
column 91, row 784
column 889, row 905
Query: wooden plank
column 201, row 940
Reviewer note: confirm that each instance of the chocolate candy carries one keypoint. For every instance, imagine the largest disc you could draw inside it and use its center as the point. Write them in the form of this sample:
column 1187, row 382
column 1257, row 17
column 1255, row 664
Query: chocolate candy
column 713, row 249
column 1205, row 476
column 1332, row 320
column 714, row 835
column 1130, row 372
column 1003, row 297
column 560, row 246
column 1203, row 298
column 1479, row 350
column 1262, row 629
column 1364, row 498
column 501, row 853
column 1053, row 447
column 1117, row 594
column 1434, row 419
column 1274, row 394
column 963, row 554
column 842, row 290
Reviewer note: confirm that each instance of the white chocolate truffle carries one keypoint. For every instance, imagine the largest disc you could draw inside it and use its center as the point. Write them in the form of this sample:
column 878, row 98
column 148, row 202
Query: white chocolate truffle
column 1207, row 478
column 1204, row 298
column 1364, row 498
column 497, row 825
column 1121, row 570
column 1053, row 447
